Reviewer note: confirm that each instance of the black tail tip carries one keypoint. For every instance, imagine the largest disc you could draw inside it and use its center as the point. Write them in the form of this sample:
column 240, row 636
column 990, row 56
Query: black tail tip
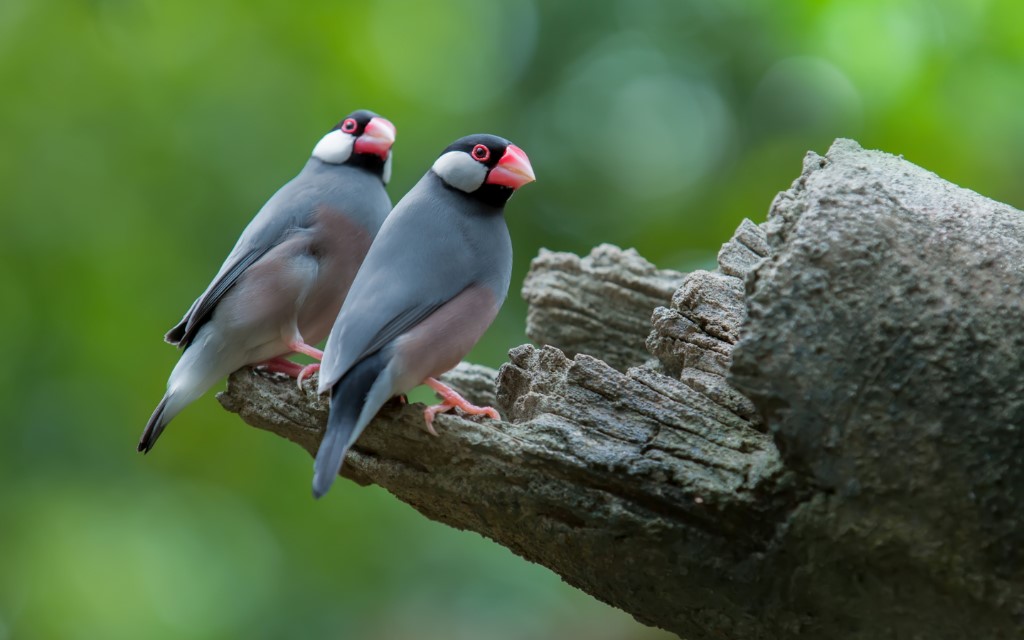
column 321, row 486
column 154, row 427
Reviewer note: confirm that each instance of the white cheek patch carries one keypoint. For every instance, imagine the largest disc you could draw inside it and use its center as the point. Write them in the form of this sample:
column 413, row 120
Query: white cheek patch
column 386, row 177
column 460, row 171
column 334, row 148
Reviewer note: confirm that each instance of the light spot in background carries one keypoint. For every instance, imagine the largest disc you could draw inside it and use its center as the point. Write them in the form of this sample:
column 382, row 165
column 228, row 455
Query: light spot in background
column 12, row 14
column 681, row 20
column 635, row 121
column 459, row 55
column 809, row 95
column 675, row 133
column 118, row 565
column 467, row 608
column 152, row 37
column 898, row 34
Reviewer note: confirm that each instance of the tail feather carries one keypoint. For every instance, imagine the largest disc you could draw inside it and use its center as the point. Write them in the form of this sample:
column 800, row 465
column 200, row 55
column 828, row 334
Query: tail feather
column 177, row 334
column 155, row 426
column 200, row 367
column 348, row 398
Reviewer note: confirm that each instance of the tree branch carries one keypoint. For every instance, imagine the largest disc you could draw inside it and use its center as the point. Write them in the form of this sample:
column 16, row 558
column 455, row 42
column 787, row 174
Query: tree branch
column 859, row 478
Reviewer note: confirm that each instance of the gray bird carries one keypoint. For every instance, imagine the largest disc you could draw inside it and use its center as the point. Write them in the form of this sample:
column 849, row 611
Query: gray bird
column 284, row 282
column 431, row 284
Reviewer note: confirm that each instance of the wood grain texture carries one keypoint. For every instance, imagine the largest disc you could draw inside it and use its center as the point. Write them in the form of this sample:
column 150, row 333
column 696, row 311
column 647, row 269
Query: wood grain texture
column 598, row 304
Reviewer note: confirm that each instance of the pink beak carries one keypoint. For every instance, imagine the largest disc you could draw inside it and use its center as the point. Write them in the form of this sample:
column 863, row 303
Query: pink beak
column 377, row 138
column 513, row 170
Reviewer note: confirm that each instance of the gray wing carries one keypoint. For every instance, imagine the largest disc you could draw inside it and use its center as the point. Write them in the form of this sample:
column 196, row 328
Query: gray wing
column 287, row 210
column 424, row 255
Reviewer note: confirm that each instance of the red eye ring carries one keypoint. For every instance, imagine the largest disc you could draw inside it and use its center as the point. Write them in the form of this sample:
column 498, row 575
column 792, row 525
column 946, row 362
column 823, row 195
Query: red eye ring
column 481, row 153
column 349, row 125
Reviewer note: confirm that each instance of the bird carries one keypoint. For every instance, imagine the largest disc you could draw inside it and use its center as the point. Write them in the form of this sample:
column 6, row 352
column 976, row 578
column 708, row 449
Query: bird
column 281, row 287
column 433, row 281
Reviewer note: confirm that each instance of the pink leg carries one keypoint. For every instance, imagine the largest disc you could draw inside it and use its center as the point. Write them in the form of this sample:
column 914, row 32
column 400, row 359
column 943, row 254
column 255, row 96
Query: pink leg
column 450, row 400
column 281, row 365
column 299, row 346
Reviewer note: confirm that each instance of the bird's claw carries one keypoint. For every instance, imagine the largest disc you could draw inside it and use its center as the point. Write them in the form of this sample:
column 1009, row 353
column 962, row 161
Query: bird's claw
column 305, row 372
column 430, row 412
column 450, row 399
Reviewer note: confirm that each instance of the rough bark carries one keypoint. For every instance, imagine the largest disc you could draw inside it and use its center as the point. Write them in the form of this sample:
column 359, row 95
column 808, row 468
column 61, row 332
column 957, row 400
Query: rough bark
column 597, row 304
column 826, row 444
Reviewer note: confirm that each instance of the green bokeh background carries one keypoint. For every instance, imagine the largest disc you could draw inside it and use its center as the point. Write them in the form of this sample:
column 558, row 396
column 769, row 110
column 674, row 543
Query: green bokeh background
column 138, row 138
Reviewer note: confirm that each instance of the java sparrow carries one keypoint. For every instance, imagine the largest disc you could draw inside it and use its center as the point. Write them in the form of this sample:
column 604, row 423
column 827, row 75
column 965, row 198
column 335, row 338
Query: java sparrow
column 431, row 284
column 282, row 285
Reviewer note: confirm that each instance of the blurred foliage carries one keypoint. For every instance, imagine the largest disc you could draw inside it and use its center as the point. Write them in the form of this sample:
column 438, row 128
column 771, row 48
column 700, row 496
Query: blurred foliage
column 138, row 137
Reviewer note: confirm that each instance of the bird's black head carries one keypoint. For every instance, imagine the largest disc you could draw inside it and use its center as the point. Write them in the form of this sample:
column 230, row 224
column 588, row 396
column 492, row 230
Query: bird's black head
column 485, row 167
column 362, row 139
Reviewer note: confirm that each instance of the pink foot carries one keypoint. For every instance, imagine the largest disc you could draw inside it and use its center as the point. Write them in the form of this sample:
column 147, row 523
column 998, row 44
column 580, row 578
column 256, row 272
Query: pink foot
column 451, row 400
column 306, row 371
column 433, row 410
column 281, row 365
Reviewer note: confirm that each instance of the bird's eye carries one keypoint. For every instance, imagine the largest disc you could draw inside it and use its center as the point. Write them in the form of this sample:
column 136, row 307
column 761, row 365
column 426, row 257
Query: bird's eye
column 481, row 153
column 349, row 126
